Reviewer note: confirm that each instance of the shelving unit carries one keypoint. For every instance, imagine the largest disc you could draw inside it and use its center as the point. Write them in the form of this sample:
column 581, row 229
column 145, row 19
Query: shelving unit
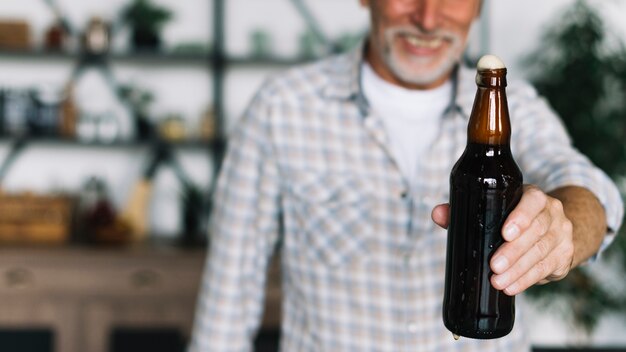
column 213, row 62
column 217, row 61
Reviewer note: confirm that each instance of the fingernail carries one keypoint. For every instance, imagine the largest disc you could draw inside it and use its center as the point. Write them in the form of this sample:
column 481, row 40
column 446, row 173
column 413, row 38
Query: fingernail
column 500, row 280
column 510, row 291
column 500, row 264
column 510, row 232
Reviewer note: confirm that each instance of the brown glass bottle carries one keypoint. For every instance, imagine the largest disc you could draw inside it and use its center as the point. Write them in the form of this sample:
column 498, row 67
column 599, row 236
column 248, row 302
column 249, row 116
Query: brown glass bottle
column 485, row 185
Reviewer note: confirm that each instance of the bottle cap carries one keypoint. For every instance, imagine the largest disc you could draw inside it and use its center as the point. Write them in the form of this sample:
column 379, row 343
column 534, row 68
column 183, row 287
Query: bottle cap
column 490, row 62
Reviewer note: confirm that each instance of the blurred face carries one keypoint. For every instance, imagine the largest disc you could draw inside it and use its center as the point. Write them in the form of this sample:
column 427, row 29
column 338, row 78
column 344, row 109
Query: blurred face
column 416, row 43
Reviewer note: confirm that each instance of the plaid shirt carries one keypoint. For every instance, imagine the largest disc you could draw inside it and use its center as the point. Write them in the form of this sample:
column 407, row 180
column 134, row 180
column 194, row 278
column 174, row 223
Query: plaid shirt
column 362, row 262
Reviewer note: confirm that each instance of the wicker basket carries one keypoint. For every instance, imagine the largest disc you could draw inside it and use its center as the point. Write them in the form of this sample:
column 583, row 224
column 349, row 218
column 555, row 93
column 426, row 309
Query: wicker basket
column 35, row 219
column 14, row 35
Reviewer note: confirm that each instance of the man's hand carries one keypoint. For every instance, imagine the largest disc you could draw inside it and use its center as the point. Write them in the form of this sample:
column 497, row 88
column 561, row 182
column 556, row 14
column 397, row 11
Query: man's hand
column 539, row 243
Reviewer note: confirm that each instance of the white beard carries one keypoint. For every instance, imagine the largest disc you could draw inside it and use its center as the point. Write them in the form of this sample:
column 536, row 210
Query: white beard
column 406, row 72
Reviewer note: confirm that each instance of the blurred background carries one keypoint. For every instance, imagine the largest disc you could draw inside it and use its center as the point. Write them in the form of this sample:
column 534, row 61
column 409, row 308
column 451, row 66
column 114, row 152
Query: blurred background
column 113, row 121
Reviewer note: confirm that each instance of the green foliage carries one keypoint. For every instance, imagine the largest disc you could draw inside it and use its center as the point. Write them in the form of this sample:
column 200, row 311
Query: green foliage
column 145, row 16
column 582, row 73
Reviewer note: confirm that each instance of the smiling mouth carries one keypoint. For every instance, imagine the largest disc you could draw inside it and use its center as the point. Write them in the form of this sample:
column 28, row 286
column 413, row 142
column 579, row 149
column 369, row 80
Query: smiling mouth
column 422, row 42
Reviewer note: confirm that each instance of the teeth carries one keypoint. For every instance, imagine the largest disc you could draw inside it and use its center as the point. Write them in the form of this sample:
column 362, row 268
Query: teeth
column 427, row 43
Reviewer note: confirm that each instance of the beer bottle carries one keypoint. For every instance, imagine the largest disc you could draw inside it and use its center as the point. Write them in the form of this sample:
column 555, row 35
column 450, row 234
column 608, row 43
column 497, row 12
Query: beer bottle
column 485, row 186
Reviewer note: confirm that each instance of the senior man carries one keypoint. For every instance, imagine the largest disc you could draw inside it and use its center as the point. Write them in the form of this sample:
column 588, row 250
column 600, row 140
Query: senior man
column 344, row 161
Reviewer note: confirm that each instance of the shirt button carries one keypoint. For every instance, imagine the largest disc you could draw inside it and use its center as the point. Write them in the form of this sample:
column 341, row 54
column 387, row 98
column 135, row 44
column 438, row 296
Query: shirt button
column 411, row 327
column 404, row 194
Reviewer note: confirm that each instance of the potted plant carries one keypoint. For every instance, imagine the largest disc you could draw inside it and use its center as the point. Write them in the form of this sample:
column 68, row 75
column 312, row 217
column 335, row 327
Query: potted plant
column 582, row 73
column 145, row 21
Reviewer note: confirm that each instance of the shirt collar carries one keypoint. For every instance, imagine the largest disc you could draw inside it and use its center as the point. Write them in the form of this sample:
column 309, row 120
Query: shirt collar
column 345, row 74
column 345, row 83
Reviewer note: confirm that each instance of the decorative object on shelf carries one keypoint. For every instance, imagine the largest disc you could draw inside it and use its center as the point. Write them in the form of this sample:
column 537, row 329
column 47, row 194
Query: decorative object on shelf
column 108, row 127
column 145, row 21
column 192, row 48
column 261, row 43
column 14, row 35
column 194, row 210
column 35, row 219
column 106, row 118
column 44, row 114
column 172, row 128
column 193, row 215
column 208, row 125
column 138, row 101
column 579, row 58
column 87, row 127
column 37, row 112
column 16, row 105
column 68, row 114
column 55, row 37
column 45, row 111
column 97, row 37
column 101, row 127
column 135, row 211
column 97, row 219
column 61, row 34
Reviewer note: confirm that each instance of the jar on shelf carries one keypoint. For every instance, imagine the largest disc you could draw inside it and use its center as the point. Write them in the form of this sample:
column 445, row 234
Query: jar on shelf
column 172, row 128
column 208, row 125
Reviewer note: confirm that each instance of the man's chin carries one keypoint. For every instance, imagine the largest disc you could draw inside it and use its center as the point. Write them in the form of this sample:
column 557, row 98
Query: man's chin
column 428, row 73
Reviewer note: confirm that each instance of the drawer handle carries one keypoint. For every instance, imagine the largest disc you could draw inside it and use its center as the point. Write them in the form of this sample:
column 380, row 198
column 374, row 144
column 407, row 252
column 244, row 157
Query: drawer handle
column 145, row 279
column 18, row 278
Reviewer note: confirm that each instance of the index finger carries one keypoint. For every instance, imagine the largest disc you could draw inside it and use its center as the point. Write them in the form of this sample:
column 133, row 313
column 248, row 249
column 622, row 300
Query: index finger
column 441, row 215
column 530, row 206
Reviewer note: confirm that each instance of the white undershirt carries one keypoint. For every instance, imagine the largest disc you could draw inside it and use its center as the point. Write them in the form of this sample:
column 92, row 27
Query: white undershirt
column 411, row 117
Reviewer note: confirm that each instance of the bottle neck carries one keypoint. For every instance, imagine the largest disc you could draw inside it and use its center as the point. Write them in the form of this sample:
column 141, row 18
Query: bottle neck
column 489, row 122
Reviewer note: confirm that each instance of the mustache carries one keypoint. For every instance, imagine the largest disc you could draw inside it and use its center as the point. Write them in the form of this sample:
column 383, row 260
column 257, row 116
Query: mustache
column 416, row 31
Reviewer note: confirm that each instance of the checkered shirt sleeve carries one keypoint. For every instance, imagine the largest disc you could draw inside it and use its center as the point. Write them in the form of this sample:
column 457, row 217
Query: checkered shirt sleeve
column 544, row 152
column 244, row 231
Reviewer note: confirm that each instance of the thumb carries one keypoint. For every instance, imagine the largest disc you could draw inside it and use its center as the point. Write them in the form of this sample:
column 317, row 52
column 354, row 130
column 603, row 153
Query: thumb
column 441, row 215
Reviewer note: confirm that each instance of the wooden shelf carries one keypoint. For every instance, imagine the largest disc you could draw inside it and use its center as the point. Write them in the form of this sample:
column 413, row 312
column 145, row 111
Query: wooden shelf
column 51, row 141
column 160, row 58
column 267, row 61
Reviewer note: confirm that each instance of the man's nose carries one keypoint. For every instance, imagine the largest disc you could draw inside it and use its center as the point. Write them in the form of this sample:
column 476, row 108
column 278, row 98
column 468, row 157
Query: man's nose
column 426, row 14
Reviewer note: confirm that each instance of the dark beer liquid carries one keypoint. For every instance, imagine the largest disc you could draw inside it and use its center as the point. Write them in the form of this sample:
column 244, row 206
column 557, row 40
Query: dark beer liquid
column 485, row 186
column 482, row 196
